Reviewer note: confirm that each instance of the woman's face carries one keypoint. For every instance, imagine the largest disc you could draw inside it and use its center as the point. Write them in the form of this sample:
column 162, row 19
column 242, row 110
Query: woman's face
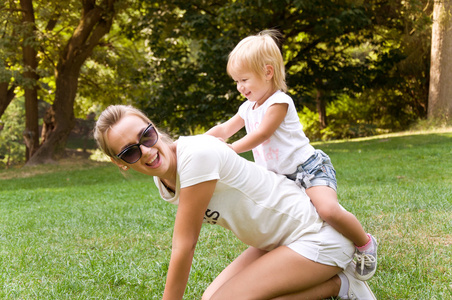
column 158, row 160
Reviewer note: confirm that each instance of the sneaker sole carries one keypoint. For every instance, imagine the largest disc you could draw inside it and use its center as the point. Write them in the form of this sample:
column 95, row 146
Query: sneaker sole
column 349, row 272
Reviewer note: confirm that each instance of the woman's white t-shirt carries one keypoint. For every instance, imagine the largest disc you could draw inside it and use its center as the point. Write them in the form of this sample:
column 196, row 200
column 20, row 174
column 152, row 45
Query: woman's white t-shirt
column 263, row 209
column 288, row 147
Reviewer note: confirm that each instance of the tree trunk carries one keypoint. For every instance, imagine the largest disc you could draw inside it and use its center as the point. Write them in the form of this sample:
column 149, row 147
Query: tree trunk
column 95, row 23
column 7, row 95
column 321, row 109
column 440, row 91
column 31, row 132
column 60, row 119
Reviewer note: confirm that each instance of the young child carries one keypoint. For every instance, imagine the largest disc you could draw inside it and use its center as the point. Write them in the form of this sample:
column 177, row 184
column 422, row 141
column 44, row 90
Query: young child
column 276, row 136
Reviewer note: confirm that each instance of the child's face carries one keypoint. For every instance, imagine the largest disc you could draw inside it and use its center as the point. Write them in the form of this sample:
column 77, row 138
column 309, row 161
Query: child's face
column 255, row 87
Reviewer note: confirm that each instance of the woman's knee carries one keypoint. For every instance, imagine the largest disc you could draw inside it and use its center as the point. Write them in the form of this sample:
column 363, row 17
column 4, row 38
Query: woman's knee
column 208, row 293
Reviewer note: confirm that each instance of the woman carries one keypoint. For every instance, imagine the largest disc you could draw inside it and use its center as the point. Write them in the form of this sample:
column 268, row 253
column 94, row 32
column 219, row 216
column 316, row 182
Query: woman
column 293, row 254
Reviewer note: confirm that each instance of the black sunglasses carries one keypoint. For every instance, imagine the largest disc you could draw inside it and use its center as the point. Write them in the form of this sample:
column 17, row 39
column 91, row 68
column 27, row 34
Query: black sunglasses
column 132, row 153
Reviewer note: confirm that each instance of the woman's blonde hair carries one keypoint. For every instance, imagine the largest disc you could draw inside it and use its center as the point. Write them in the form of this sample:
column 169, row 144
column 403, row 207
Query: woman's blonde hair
column 108, row 118
column 255, row 52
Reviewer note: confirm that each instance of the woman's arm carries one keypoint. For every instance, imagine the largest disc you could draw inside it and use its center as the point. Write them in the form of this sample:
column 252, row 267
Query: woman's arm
column 272, row 120
column 193, row 202
column 227, row 129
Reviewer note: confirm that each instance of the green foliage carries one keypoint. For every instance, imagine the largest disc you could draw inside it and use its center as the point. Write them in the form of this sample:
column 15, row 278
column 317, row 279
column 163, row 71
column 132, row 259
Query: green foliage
column 115, row 74
column 345, row 120
column 338, row 48
column 311, row 124
column 189, row 86
column 12, row 124
column 169, row 59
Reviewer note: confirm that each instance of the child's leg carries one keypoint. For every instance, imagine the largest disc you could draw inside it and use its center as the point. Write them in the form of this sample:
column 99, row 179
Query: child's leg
column 325, row 201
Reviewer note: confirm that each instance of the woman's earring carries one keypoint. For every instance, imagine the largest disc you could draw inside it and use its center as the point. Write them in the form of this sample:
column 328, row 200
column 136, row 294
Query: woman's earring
column 125, row 168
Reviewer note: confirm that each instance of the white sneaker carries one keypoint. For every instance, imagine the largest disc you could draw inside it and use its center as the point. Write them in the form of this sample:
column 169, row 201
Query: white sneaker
column 366, row 262
column 358, row 290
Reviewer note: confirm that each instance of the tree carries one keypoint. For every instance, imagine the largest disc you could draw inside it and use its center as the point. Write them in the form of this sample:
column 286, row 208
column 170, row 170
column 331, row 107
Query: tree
column 191, row 40
column 169, row 57
column 63, row 41
column 94, row 24
column 7, row 94
column 64, row 36
column 31, row 133
column 440, row 93
column 9, row 58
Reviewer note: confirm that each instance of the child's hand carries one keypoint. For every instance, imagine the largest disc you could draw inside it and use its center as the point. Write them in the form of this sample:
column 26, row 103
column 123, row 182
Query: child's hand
column 230, row 145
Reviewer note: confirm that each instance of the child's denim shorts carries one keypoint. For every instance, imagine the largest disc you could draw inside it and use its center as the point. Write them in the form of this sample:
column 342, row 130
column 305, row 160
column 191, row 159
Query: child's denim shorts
column 317, row 170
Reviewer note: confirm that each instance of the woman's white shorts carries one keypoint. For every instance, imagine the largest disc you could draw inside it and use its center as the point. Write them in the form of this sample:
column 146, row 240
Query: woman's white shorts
column 326, row 246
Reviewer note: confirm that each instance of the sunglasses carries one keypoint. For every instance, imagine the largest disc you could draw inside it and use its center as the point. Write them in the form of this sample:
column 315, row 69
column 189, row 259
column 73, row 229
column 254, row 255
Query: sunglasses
column 132, row 153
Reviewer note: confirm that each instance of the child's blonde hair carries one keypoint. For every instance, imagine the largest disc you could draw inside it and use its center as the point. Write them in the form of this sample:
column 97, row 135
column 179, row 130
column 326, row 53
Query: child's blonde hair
column 257, row 51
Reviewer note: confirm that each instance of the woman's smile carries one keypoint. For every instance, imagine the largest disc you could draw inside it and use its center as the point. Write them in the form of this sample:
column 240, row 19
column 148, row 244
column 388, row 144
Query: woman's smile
column 155, row 161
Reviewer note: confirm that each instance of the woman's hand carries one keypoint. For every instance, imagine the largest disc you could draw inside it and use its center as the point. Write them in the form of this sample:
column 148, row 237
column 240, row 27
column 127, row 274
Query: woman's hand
column 193, row 202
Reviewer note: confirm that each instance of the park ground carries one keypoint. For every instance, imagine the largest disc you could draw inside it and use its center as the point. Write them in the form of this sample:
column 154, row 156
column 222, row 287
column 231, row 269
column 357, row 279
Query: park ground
column 81, row 229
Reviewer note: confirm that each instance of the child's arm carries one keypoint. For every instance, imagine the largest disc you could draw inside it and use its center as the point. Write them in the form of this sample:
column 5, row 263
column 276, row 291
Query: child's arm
column 193, row 203
column 272, row 120
column 227, row 129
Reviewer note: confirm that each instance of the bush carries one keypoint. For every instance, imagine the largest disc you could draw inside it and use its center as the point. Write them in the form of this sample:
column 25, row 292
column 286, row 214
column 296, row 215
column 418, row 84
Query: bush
column 346, row 118
column 311, row 123
column 12, row 124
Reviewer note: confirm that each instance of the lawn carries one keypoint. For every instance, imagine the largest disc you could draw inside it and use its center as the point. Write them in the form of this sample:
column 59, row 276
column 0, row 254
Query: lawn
column 83, row 230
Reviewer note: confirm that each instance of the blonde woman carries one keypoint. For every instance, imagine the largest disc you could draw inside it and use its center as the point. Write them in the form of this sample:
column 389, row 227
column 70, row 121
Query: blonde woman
column 292, row 253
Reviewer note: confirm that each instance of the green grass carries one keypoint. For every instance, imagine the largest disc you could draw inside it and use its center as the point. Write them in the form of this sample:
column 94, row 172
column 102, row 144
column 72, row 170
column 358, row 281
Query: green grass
column 74, row 231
